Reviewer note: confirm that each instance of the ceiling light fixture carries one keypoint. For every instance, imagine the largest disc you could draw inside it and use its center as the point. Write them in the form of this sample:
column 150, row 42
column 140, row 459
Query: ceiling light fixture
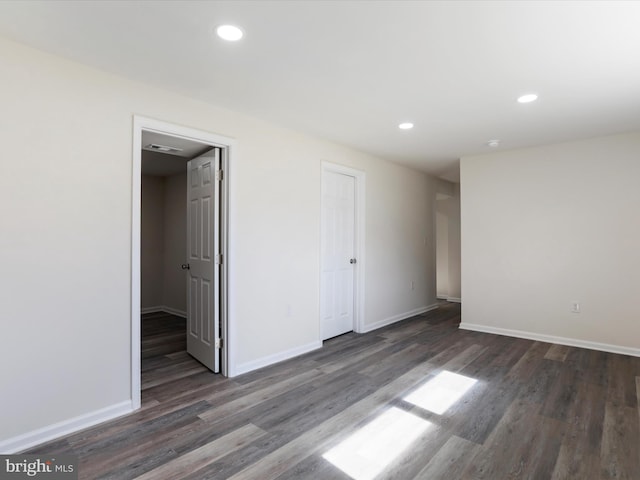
column 528, row 98
column 229, row 33
column 493, row 143
column 405, row 126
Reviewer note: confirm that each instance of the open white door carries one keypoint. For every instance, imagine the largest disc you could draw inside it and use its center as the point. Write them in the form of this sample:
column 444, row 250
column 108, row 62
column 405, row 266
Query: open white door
column 337, row 253
column 203, row 267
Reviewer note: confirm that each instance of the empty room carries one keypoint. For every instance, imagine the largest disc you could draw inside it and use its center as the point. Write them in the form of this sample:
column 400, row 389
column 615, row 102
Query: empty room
column 320, row 239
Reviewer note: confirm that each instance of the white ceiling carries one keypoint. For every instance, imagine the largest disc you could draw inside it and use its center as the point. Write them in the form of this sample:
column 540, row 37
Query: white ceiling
column 350, row 71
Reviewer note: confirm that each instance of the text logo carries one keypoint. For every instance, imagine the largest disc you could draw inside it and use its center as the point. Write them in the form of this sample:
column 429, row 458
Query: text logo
column 58, row 467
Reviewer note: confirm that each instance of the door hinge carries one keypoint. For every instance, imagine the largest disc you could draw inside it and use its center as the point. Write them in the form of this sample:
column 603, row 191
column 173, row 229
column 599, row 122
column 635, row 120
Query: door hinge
column 219, row 175
column 219, row 342
column 219, row 259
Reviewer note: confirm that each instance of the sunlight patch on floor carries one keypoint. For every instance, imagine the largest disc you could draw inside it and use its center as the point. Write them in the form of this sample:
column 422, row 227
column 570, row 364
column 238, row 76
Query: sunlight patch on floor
column 369, row 450
column 441, row 392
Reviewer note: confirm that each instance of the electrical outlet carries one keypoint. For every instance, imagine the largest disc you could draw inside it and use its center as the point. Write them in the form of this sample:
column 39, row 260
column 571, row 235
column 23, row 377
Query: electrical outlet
column 412, row 285
column 575, row 307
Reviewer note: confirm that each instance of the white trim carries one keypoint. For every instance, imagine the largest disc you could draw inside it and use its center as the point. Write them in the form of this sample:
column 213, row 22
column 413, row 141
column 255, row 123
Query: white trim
column 277, row 357
column 442, row 297
column 164, row 309
column 136, row 209
column 50, row 432
column 399, row 317
column 454, row 299
column 148, row 124
column 230, row 247
column 571, row 342
column 360, row 254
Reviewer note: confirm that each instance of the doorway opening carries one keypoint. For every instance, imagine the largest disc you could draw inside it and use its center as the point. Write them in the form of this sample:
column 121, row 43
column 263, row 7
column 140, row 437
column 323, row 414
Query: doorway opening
column 179, row 247
column 447, row 232
column 442, row 245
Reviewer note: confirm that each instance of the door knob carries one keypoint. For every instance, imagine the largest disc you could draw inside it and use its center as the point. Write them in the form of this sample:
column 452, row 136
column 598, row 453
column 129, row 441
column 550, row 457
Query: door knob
column 352, row 261
column 186, row 266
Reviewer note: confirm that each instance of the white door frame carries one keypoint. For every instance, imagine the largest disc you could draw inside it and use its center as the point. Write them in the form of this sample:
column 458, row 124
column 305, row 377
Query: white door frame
column 227, row 314
column 359, row 271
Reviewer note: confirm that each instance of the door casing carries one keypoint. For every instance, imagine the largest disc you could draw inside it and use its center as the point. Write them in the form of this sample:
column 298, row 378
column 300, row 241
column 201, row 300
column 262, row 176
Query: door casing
column 227, row 145
column 359, row 271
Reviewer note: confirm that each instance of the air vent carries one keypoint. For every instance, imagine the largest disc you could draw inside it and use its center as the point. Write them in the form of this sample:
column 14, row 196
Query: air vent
column 162, row 148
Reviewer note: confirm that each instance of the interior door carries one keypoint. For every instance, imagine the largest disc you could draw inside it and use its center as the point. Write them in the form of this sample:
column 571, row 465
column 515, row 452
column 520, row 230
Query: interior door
column 203, row 267
column 338, row 260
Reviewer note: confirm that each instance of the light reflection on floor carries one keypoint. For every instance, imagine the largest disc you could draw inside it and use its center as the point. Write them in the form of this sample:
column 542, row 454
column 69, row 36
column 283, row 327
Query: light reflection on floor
column 368, row 451
column 371, row 449
column 440, row 393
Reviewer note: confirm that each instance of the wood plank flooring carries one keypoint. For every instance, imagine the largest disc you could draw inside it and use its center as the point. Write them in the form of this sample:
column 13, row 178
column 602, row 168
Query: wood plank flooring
column 526, row 410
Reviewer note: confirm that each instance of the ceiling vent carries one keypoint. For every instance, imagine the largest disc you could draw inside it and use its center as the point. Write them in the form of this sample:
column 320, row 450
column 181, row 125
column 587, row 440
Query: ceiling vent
column 162, row 148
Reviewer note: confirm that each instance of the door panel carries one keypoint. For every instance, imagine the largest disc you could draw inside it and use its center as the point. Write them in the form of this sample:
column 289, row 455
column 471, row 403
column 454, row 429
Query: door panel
column 203, row 312
column 337, row 249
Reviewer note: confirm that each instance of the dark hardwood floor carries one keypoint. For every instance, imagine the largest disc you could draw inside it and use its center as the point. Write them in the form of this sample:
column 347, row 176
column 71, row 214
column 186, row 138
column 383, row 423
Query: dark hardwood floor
column 418, row 399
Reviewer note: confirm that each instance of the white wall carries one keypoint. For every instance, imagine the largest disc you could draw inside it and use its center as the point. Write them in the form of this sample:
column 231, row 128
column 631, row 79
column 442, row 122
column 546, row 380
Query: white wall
column 453, row 207
column 545, row 227
column 175, row 243
column 399, row 219
column 65, row 248
column 152, row 228
column 442, row 248
column 163, row 242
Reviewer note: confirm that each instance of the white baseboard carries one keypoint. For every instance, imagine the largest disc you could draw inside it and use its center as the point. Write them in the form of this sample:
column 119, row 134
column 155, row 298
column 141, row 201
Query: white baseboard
column 51, row 432
column 276, row 357
column 442, row 297
column 398, row 318
column 174, row 311
column 571, row 342
column 164, row 309
column 454, row 299
column 155, row 309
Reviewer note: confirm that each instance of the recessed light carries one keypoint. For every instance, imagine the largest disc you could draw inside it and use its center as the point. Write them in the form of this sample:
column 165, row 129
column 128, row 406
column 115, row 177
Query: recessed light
column 528, row 98
column 493, row 143
column 229, row 33
column 405, row 126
